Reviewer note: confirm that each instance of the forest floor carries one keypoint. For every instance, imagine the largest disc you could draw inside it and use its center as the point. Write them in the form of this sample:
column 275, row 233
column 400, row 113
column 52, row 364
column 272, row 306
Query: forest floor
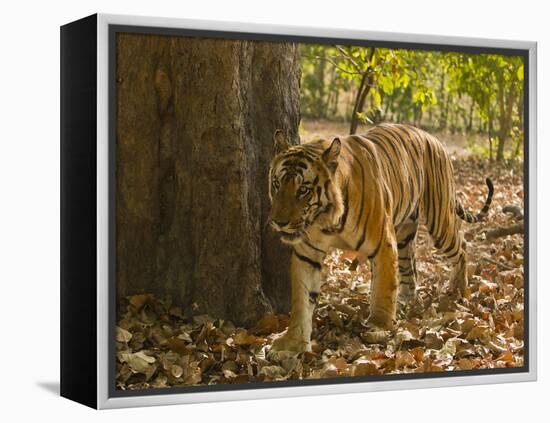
column 157, row 347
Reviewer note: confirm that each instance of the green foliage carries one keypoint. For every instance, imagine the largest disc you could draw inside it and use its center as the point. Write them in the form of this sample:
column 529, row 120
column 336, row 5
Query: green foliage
column 469, row 93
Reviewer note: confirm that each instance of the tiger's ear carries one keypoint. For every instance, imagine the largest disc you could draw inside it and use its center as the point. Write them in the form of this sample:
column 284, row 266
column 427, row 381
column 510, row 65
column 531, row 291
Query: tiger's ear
column 331, row 154
column 281, row 141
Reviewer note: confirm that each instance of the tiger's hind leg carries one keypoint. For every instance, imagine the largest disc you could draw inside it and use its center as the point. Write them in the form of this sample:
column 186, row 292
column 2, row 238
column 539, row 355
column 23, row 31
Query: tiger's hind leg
column 438, row 212
column 451, row 244
column 459, row 259
column 406, row 240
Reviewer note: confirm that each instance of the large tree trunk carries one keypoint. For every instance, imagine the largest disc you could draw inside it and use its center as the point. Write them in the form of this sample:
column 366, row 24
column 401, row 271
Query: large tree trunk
column 195, row 119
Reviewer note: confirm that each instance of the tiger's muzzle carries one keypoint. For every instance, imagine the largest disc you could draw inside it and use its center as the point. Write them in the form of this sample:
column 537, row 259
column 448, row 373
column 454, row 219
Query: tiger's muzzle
column 289, row 232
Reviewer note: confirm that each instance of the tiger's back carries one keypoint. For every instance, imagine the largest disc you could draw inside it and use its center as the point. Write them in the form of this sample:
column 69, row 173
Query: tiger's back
column 397, row 168
column 417, row 169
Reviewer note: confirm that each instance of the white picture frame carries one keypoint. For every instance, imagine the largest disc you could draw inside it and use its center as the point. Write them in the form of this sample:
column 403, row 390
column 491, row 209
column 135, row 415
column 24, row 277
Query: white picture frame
column 102, row 316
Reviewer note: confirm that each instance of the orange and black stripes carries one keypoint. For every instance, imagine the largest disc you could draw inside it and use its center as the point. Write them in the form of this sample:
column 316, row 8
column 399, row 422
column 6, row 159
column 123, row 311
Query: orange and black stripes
column 356, row 187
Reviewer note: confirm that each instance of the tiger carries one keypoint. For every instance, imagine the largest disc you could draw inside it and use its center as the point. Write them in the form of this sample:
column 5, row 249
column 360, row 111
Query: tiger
column 367, row 193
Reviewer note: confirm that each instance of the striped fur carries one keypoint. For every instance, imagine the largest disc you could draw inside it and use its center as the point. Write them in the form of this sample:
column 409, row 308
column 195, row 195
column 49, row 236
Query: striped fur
column 366, row 193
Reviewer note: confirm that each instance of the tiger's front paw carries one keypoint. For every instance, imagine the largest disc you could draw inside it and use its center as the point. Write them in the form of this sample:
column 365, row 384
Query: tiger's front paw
column 289, row 343
column 378, row 330
column 379, row 322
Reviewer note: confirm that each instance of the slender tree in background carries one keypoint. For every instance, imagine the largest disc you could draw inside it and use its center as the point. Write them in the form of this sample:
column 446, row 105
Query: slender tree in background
column 495, row 85
column 364, row 71
column 195, row 120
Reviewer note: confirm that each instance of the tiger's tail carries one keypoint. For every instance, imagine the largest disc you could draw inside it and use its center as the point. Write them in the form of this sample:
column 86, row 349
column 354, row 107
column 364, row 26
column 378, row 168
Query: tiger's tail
column 469, row 217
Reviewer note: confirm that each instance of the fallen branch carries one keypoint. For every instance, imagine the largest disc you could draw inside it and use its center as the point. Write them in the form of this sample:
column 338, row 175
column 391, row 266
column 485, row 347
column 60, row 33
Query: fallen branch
column 514, row 210
column 508, row 230
column 498, row 263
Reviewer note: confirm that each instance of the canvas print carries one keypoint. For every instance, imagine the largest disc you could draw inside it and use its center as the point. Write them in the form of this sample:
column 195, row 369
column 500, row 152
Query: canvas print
column 294, row 212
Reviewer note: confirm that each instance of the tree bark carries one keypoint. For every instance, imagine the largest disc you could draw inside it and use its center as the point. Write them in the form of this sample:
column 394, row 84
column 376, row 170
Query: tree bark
column 502, row 123
column 471, row 116
column 195, row 119
column 490, row 133
column 320, row 92
column 506, row 104
column 522, row 131
column 354, row 122
column 363, row 91
column 443, row 110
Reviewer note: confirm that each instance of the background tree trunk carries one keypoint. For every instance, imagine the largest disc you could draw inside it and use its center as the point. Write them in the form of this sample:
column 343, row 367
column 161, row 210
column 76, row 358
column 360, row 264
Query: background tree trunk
column 195, row 120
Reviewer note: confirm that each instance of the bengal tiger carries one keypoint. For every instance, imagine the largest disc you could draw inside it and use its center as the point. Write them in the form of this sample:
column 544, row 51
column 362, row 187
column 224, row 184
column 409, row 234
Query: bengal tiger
column 366, row 193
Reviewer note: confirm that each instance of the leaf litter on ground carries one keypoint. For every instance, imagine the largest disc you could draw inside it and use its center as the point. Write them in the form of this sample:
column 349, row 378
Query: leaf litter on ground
column 158, row 347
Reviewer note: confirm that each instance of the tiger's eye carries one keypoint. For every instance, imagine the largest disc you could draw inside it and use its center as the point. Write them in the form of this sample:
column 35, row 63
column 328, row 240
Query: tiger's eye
column 303, row 190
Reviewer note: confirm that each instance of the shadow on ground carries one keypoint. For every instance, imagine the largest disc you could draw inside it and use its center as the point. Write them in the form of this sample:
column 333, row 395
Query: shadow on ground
column 51, row 387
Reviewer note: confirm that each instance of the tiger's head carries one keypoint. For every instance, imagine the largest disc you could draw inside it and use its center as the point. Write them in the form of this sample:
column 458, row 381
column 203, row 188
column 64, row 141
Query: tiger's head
column 304, row 187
